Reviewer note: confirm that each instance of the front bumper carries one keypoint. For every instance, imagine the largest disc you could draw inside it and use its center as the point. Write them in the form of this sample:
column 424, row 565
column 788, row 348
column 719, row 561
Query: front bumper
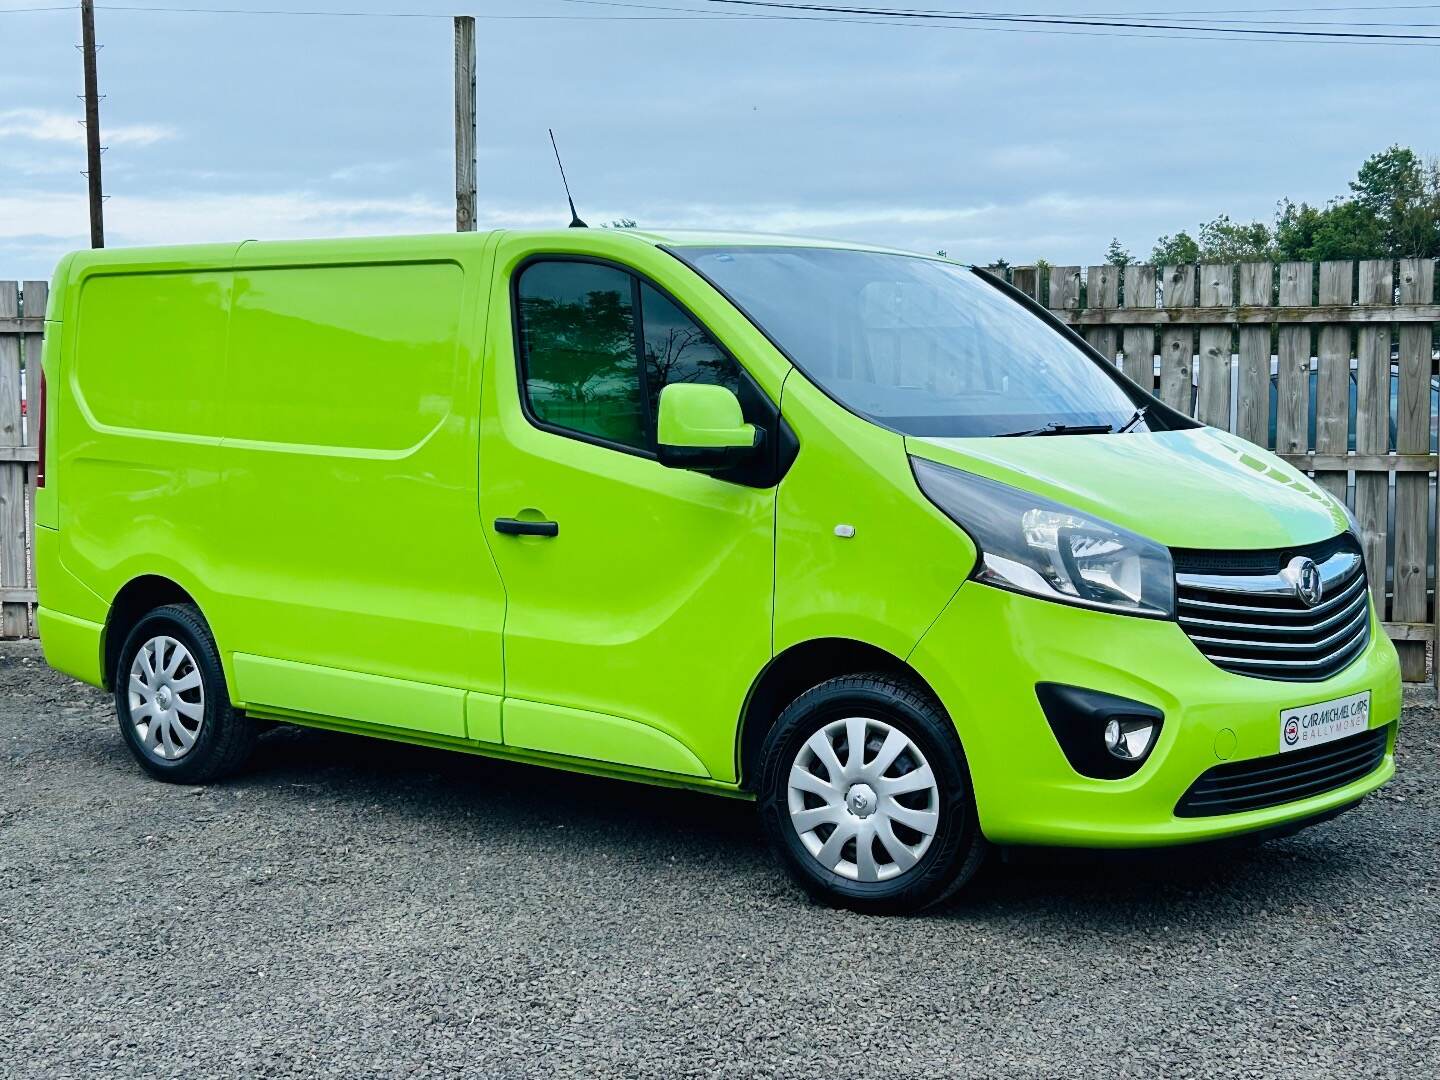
column 988, row 649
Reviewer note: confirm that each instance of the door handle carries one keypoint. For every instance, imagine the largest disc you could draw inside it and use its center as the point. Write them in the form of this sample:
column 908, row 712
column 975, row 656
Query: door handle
column 517, row 527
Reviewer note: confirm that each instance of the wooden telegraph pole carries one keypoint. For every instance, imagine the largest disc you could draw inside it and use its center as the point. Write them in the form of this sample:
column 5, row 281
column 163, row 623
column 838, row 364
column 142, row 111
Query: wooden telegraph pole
column 92, row 125
column 464, row 123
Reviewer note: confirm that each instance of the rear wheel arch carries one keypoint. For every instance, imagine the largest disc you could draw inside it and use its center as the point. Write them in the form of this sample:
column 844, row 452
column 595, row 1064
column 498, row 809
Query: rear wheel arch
column 137, row 598
column 802, row 667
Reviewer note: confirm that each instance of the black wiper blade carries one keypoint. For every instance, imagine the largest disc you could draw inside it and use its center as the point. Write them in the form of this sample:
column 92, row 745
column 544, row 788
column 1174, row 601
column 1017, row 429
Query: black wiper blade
column 1060, row 429
column 1139, row 415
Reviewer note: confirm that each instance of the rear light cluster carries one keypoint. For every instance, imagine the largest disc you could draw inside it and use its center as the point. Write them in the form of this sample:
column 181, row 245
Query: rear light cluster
column 40, row 437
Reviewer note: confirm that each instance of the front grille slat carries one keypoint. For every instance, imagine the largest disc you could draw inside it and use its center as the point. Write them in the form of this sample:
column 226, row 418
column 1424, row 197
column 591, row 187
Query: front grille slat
column 1345, row 633
column 1354, row 594
column 1239, row 786
column 1242, row 624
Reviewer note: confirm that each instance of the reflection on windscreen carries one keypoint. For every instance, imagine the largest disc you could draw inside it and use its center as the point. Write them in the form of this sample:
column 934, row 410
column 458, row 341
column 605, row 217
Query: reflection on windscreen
column 921, row 346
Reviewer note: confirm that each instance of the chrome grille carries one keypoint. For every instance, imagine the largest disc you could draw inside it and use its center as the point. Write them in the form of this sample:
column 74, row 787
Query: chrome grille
column 1245, row 614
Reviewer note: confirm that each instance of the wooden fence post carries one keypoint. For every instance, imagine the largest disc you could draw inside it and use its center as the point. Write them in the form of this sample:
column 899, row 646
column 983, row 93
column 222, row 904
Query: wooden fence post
column 1252, row 411
column 1137, row 339
column 1212, row 401
column 1177, row 343
column 14, row 614
column 1412, row 436
column 1102, row 293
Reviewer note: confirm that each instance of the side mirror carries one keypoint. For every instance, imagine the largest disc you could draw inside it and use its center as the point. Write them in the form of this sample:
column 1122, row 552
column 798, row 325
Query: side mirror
column 701, row 427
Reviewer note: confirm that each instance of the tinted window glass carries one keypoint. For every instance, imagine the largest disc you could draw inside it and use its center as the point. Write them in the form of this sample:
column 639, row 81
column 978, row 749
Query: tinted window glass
column 678, row 349
column 922, row 346
column 577, row 343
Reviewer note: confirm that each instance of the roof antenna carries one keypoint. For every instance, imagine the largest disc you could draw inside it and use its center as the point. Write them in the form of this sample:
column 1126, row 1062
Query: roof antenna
column 575, row 222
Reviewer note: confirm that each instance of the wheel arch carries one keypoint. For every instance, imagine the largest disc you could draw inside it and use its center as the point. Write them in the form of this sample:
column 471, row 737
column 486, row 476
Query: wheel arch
column 790, row 673
column 136, row 597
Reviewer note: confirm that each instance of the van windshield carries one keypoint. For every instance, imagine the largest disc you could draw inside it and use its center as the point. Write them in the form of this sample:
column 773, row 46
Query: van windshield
column 920, row 346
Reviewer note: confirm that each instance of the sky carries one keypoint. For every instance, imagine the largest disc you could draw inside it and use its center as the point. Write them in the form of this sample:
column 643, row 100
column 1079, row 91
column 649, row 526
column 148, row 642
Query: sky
column 986, row 143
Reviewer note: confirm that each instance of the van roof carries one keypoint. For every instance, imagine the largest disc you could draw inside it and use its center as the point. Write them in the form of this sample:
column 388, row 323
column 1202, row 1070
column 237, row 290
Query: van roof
column 219, row 254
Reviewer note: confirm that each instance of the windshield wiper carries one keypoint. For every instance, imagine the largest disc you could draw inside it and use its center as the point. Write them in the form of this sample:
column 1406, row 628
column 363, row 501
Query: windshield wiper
column 1139, row 415
column 1060, row 429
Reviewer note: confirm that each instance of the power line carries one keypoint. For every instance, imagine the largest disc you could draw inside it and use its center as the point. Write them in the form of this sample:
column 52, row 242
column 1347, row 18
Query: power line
column 1022, row 24
column 1055, row 20
column 696, row 16
column 1088, row 25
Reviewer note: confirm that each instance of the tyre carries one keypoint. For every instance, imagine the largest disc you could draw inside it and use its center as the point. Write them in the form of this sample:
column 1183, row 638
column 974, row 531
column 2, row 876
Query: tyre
column 170, row 697
column 865, row 796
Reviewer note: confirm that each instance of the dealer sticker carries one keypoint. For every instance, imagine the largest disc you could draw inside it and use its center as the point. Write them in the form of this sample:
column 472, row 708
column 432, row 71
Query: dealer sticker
column 1325, row 721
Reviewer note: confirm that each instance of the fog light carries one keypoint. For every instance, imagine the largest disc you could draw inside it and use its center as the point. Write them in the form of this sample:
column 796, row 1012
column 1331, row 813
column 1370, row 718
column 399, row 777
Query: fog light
column 1128, row 738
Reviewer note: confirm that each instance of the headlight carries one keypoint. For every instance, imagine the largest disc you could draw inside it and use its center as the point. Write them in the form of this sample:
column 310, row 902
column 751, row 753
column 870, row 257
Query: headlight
column 1033, row 545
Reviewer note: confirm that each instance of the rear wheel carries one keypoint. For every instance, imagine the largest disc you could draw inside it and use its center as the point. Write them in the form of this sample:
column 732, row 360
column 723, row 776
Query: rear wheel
column 170, row 697
column 865, row 796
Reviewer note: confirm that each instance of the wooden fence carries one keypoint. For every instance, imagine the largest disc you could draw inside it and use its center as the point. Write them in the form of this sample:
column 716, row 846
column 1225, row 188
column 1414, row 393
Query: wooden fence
column 1233, row 345
column 22, row 323
column 1330, row 364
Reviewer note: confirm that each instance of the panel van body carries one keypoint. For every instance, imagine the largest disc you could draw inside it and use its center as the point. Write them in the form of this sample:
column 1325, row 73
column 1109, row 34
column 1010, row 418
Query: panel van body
column 860, row 534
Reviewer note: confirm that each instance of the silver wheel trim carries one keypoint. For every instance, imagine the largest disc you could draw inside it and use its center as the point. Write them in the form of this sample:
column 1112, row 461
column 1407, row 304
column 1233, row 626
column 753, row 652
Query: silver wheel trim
column 167, row 698
column 833, row 802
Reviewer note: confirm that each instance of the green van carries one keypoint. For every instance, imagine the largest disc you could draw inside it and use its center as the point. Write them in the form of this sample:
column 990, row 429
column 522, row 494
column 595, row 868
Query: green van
column 863, row 535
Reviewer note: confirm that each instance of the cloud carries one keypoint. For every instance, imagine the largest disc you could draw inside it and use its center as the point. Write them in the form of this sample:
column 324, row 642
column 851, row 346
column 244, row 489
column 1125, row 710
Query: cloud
column 1025, row 156
column 367, row 170
column 44, row 125
column 182, row 218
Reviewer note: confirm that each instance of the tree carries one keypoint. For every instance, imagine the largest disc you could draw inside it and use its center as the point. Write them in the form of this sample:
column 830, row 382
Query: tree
column 1180, row 248
column 1392, row 211
column 1116, row 255
column 1402, row 194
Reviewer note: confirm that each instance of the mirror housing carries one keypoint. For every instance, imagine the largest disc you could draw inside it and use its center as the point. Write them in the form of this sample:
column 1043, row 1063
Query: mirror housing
column 701, row 427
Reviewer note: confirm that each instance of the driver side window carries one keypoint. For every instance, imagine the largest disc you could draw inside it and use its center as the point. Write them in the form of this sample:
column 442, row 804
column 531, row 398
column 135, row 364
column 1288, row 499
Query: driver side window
column 598, row 344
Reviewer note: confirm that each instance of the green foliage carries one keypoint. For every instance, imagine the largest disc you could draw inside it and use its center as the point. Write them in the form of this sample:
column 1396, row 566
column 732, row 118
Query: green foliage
column 1180, row 248
column 1116, row 255
column 1392, row 211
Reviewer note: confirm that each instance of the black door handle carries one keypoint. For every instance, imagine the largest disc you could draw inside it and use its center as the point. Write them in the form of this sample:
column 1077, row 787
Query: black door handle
column 516, row 527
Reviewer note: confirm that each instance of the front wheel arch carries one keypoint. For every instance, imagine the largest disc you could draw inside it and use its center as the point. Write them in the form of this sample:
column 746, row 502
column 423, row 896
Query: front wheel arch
column 799, row 668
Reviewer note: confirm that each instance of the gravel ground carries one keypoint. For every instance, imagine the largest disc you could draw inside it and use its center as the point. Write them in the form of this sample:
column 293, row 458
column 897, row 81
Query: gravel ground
column 354, row 908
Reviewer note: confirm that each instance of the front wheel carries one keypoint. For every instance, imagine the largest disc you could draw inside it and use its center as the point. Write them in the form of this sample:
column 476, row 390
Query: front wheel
column 865, row 796
column 170, row 697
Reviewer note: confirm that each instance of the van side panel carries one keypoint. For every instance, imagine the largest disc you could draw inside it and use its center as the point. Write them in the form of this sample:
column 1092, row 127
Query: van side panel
column 133, row 465
column 349, row 470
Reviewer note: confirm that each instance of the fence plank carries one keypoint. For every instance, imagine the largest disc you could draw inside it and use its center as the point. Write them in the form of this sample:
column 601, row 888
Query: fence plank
column 1412, row 436
column 1064, row 290
column 1252, row 411
column 1102, row 293
column 1372, row 423
column 1177, row 344
column 1332, row 375
column 1292, row 411
column 1137, row 341
column 1212, row 401
column 14, row 617
column 33, row 297
column 1026, row 279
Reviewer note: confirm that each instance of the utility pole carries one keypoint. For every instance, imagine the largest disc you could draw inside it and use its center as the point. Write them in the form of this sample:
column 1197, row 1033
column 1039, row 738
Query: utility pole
column 92, row 125
column 464, row 123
